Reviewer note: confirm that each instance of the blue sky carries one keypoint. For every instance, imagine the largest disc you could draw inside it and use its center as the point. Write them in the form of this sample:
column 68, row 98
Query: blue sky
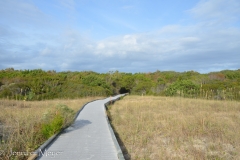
column 124, row 35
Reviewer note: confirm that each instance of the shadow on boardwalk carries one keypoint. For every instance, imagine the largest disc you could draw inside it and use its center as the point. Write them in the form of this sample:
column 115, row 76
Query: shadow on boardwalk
column 77, row 125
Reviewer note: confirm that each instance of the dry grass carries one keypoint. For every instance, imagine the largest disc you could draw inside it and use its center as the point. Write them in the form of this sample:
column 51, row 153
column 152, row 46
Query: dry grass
column 20, row 123
column 175, row 128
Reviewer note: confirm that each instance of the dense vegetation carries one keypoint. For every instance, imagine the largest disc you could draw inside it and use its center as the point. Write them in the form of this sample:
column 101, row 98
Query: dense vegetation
column 38, row 84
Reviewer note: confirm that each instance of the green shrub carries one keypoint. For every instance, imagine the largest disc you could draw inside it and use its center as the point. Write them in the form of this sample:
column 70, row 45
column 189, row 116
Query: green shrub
column 185, row 87
column 66, row 112
column 56, row 119
column 49, row 129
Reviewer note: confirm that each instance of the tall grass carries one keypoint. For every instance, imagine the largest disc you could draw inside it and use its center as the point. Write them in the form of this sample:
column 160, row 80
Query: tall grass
column 25, row 125
column 177, row 128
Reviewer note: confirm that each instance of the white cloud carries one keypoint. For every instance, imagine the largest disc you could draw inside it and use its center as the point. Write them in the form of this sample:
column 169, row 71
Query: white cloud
column 177, row 48
column 135, row 52
column 128, row 7
column 100, row 46
column 216, row 12
column 69, row 4
column 45, row 51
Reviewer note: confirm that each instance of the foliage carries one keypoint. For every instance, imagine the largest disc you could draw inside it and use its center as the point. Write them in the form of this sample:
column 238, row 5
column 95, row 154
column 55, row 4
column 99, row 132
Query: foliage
column 184, row 87
column 56, row 119
column 55, row 125
column 40, row 85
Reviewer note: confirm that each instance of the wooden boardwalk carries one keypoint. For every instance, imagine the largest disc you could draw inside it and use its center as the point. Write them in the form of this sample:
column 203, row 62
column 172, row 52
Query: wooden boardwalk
column 88, row 138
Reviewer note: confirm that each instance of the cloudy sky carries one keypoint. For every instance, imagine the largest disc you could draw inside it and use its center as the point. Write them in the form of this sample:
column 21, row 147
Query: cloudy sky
column 124, row 35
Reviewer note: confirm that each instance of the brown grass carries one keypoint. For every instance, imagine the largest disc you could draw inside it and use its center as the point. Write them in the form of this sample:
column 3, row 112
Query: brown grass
column 20, row 122
column 175, row 128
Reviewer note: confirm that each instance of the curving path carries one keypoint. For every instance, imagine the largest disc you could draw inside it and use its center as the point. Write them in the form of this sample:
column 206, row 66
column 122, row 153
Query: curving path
column 88, row 138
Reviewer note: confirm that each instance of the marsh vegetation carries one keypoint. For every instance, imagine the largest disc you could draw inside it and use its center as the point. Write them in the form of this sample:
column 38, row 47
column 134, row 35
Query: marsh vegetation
column 157, row 128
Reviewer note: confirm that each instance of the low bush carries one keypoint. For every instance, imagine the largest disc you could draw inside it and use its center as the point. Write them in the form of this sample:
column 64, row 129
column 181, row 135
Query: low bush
column 49, row 129
column 55, row 120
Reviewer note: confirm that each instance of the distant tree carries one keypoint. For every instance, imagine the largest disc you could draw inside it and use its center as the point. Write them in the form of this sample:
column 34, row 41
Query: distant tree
column 186, row 87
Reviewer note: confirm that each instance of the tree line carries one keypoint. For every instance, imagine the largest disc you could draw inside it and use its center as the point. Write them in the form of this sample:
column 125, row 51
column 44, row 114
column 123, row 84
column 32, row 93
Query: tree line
column 38, row 84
